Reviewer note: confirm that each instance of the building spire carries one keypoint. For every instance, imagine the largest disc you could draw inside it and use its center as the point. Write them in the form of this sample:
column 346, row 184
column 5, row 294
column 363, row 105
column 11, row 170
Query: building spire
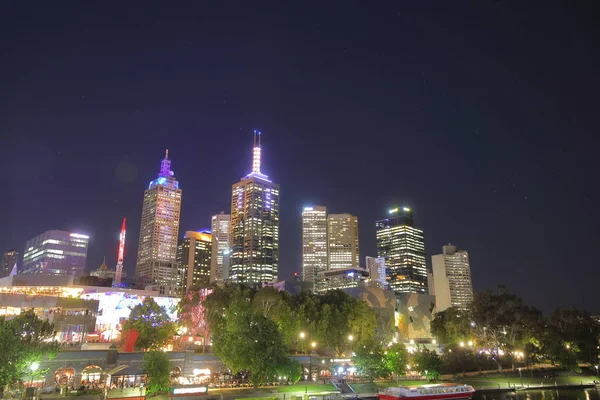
column 165, row 166
column 256, row 153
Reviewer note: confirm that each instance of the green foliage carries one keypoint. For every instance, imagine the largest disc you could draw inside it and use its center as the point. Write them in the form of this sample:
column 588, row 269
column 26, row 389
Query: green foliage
column 451, row 326
column 153, row 324
column 501, row 327
column 248, row 340
column 158, row 367
column 427, row 362
column 23, row 341
column 292, row 370
column 371, row 362
column 396, row 358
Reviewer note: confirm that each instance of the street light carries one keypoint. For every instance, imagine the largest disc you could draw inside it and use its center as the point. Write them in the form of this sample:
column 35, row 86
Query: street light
column 595, row 366
column 33, row 367
column 350, row 338
column 521, row 376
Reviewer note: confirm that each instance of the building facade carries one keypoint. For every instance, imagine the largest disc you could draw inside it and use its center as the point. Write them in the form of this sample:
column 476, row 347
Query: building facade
column 335, row 279
column 452, row 284
column 9, row 260
column 194, row 255
column 254, row 229
column 376, row 268
column 402, row 246
column 314, row 242
column 56, row 253
column 157, row 250
column 342, row 234
column 219, row 263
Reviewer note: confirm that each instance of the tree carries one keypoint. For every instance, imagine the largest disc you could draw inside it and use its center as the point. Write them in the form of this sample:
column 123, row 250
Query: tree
column 451, row 326
column 396, row 358
column 292, row 370
column 194, row 314
column 427, row 362
column 249, row 341
column 152, row 323
column 371, row 362
column 571, row 337
column 23, row 341
column 502, row 322
column 158, row 367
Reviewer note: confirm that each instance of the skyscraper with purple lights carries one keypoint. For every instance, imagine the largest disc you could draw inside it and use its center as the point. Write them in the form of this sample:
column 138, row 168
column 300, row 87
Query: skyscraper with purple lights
column 254, row 225
column 157, row 250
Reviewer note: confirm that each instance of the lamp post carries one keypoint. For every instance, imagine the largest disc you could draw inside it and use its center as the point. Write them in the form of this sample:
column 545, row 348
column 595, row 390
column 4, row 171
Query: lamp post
column 302, row 336
column 313, row 345
column 595, row 366
column 33, row 367
column 521, row 376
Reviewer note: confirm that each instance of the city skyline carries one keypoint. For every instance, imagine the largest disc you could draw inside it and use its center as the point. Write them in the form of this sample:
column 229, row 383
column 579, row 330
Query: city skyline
column 478, row 118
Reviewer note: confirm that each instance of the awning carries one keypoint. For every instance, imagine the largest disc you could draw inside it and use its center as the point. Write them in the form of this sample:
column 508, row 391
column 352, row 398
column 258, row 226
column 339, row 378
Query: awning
column 123, row 370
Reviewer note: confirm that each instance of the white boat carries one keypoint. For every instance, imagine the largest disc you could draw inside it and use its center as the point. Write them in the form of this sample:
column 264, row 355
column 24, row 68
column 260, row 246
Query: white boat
column 440, row 391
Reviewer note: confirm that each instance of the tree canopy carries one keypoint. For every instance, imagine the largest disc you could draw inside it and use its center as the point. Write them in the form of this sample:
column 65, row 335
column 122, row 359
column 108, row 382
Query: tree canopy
column 158, row 367
column 501, row 328
column 153, row 324
column 23, row 341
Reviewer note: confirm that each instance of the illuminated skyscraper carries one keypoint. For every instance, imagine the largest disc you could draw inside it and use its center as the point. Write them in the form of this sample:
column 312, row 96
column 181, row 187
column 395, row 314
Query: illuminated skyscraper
column 193, row 260
column 452, row 279
column 342, row 233
column 219, row 266
column 254, row 225
column 157, row 250
column 403, row 247
column 314, row 242
column 9, row 259
column 56, row 253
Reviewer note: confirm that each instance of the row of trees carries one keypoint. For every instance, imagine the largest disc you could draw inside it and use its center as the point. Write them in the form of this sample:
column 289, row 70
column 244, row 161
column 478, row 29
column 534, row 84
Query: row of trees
column 254, row 330
column 335, row 321
column 501, row 330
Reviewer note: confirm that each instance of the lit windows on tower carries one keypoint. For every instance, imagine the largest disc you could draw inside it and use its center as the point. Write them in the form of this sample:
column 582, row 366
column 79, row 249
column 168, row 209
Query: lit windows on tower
column 403, row 248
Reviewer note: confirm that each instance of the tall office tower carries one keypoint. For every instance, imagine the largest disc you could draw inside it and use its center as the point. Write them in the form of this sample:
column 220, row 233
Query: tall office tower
column 314, row 242
column 120, row 256
column 376, row 268
column 452, row 279
column 403, row 247
column 56, row 253
column 193, row 260
column 254, row 225
column 342, row 235
column 219, row 265
column 9, row 259
column 157, row 250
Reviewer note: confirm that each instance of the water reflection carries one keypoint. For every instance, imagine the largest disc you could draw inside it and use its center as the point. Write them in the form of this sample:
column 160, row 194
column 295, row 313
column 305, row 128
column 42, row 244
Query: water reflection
column 561, row 394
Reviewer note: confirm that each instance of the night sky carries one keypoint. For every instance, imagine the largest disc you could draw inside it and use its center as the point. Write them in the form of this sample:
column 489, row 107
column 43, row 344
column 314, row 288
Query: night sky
column 480, row 116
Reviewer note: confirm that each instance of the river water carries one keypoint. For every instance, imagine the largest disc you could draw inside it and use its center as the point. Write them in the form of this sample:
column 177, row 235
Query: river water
column 557, row 394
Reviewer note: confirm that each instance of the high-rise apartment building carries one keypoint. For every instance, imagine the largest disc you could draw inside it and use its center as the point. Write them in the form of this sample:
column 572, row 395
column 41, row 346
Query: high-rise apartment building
column 194, row 255
column 452, row 279
column 254, row 225
column 56, row 253
column 403, row 247
column 219, row 267
column 376, row 268
column 157, row 250
column 314, row 242
column 9, row 259
column 342, row 234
